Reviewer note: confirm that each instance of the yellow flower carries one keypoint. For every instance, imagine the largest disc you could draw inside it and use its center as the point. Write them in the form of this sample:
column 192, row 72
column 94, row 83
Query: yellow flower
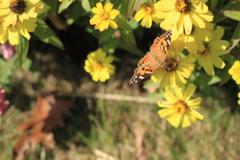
column 104, row 16
column 183, row 14
column 98, row 65
column 147, row 14
column 179, row 109
column 209, row 57
column 194, row 41
column 235, row 72
column 14, row 11
column 174, row 71
column 11, row 32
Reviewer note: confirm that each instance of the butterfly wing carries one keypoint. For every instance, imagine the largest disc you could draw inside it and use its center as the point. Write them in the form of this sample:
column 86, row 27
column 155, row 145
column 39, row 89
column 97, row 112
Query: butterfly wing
column 153, row 59
column 160, row 47
column 146, row 66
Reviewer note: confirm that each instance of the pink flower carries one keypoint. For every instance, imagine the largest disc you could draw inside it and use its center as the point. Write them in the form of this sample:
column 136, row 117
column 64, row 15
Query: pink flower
column 8, row 50
column 3, row 102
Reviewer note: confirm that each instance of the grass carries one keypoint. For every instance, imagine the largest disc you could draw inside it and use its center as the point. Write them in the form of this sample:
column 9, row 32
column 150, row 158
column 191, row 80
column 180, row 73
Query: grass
column 109, row 126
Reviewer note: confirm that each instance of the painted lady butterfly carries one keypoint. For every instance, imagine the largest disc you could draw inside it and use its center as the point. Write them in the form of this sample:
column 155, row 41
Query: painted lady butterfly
column 154, row 58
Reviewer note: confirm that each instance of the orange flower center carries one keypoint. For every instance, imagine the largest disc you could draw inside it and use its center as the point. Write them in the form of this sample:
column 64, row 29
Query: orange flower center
column 205, row 52
column 170, row 65
column 183, row 6
column 181, row 107
column 17, row 6
column 148, row 10
column 98, row 65
column 105, row 16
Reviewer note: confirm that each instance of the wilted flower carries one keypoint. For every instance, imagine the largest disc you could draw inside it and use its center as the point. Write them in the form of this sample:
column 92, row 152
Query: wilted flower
column 8, row 50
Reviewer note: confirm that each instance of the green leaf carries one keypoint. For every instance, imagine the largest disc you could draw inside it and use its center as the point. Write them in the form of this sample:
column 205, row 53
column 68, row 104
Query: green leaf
column 213, row 4
column 22, row 49
column 116, row 3
column 45, row 10
column 53, row 4
column 124, row 8
column 232, row 14
column 27, row 64
column 123, row 25
column 105, row 35
column 127, row 42
column 235, row 37
column 46, row 34
column 86, row 5
column 110, row 45
column 214, row 79
column 75, row 11
column 150, row 83
column 230, row 6
column 65, row 5
column 6, row 69
column 200, row 79
column 93, row 3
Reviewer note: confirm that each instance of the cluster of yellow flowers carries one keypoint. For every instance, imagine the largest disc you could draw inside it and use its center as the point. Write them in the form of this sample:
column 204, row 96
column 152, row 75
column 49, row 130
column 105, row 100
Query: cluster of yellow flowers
column 18, row 17
column 189, row 21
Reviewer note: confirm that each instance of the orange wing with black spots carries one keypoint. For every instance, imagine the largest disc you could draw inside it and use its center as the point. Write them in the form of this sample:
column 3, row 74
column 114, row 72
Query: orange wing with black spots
column 154, row 58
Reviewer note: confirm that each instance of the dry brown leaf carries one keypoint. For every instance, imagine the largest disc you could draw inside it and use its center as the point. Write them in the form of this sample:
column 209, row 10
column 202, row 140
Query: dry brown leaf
column 48, row 113
column 139, row 135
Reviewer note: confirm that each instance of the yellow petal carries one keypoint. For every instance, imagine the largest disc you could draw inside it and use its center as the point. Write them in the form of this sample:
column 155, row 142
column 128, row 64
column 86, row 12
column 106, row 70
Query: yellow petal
column 207, row 65
column 179, row 92
column 198, row 6
column 220, row 52
column 165, row 112
column 187, row 24
column 13, row 36
column 169, row 96
column 216, row 61
column 200, row 45
column 206, row 16
column 174, row 119
column 114, row 13
column 218, row 45
column 95, row 20
column 196, row 114
column 197, row 21
column 189, row 92
column 202, row 34
column 107, row 7
column 191, row 46
column 165, row 104
column 103, row 25
column 113, row 24
column 139, row 15
column 218, row 33
column 194, row 103
column 97, row 10
column 100, row 7
column 185, row 121
column 168, row 5
column 147, row 22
